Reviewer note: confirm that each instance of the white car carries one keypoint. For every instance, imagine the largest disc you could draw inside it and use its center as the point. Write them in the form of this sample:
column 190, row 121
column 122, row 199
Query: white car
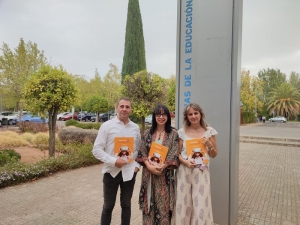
column 278, row 119
column 60, row 115
column 1, row 120
column 10, row 116
column 148, row 119
column 113, row 116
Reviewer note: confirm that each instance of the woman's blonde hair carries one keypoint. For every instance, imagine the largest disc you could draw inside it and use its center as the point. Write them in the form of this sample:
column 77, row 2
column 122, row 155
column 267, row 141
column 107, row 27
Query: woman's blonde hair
column 196, row 107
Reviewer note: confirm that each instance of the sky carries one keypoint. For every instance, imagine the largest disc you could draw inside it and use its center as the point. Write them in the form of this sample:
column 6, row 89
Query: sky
column 85, row 35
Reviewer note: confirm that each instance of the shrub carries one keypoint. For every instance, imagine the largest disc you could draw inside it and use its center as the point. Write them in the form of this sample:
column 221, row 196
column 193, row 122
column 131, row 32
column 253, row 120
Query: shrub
column 16, row 173
column 65, row 149
column 95, row 126
column 77, row 135
column 75, row 123
column 10, row 139
column 71, row 122
column 28, row 137
column 248, row 117
column 33, row 127
column 41, row 140
column 9, row 133
column 8, row 156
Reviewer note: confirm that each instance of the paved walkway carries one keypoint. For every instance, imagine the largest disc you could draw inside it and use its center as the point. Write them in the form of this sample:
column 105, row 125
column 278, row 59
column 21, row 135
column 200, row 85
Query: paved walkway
column 269, row 193
column 274, row 130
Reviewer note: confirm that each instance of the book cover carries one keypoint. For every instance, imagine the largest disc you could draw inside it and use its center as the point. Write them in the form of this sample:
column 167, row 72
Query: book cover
column 157, row 154
column 124, row 148
column 196, row 151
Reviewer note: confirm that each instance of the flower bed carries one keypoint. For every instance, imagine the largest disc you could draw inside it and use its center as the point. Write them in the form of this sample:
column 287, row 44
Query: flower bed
column 16, row 173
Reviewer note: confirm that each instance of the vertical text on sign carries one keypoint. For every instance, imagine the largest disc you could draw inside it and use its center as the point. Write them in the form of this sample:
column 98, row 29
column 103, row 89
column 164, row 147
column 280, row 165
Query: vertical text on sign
column 188, row 49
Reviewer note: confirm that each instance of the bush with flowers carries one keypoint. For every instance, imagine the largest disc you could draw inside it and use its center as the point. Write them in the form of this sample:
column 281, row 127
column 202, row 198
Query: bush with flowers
column 17, row 172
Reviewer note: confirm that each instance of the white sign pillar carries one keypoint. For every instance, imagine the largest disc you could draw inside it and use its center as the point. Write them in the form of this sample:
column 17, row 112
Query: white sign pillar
column 208, row 73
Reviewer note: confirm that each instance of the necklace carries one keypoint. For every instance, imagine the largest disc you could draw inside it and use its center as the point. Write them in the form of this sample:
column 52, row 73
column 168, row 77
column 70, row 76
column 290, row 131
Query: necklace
column 159, row 134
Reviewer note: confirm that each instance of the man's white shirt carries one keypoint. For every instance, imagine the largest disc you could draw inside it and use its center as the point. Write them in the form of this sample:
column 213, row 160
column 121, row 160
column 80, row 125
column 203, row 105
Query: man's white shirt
column 104, row 146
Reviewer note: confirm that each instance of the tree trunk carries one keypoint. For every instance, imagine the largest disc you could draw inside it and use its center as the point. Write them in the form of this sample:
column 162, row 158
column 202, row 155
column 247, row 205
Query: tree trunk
column 97, row 117
column 20, row 111
column 143, row 124
column 52, row 126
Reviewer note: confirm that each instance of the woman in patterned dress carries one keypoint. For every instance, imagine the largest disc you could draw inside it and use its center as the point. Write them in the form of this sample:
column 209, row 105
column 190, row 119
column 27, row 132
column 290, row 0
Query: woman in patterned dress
column 157, row 194
column 193, row 198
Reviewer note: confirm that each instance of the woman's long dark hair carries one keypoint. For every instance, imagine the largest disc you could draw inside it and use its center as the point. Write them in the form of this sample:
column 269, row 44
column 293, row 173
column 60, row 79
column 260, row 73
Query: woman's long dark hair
column 160, row 109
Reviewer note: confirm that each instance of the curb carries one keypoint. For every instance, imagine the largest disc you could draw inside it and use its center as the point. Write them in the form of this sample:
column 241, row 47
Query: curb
column 271, row 138
column 271, row 141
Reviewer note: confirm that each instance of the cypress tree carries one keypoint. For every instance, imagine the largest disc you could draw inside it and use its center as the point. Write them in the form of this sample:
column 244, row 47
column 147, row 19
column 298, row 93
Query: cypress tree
column 134, row 59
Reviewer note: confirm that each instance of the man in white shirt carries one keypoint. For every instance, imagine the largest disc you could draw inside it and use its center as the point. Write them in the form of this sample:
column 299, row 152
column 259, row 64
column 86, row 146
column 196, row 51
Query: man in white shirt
column 116, row 171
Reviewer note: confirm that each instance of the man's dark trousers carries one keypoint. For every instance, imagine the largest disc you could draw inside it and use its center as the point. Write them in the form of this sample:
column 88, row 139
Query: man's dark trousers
column 110, row 189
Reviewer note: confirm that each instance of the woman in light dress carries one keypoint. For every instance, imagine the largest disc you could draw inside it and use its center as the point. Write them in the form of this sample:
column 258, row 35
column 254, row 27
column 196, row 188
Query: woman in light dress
column 193, row 198
column 157, row 193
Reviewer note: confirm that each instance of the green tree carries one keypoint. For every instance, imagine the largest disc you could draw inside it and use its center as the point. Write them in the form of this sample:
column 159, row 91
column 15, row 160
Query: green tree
column 112, row 86
column 145, row 91
column 251, row 92
column 84, row 91
column 96, row 84
column 284, row 100
column 97, row 104
column 134, row 59
column 295, row 80
column 171, row 97
column 272, row 79
column 170, row 92
column 16, row 67
column 50, row 90
column 88, row 88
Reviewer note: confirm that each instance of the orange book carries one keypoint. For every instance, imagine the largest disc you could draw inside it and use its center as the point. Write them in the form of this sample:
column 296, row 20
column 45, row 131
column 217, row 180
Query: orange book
column 157, row 154
column 124, row 148
column 196, row 151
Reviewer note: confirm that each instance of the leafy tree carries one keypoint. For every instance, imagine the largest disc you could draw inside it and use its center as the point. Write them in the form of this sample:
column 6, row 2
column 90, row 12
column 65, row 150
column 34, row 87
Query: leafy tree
column 112, row 86
column 284, row 100
column 251, row 92
column 97, row 104
column 171, row 97
column 84, row 91
column 295, row 80
column 134, row 59
column 145, row 91
column 50, row 90
column 272, row 79
column 170, row 92
column 87, row 89
column 16, row 67
column 96, row 84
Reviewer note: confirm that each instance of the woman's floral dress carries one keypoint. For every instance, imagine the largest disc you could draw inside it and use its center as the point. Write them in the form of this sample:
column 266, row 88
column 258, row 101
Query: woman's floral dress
column 161, row 194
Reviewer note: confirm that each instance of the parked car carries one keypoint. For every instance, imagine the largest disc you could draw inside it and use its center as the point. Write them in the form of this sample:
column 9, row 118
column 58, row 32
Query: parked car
column 278, row 119
column 113, row 115
column 172, row 114
column 32, row 118
column 148, row 119
column 69, row 116
column 103, row 117
column 1, row 120
column 84, row 116
column 60, row 115
column 10, row 116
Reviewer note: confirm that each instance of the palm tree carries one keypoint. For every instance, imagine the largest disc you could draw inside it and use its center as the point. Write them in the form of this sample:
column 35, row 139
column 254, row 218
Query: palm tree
column 284, row 100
